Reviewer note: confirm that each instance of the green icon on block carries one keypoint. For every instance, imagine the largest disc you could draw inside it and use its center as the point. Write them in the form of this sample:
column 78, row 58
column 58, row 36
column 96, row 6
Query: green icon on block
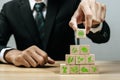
column 64, row 68
column 80, row 33
column 80, row 59
column 90, row 59
column 84, row 49
column 74, row 69
column 83, row 69
column 74, row 50
column 94, row 69
column 70, row 59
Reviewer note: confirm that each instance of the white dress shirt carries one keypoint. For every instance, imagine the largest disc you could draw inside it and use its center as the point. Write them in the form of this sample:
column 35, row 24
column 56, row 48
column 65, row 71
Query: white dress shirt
column 32, row 3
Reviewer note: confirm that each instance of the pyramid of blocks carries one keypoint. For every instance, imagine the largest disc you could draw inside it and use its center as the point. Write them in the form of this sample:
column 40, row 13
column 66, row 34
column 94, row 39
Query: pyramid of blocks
column 79, row 61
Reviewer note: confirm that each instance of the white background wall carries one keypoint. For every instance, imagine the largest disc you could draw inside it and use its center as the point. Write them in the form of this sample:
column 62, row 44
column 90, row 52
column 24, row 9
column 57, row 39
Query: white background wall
column 109, row 50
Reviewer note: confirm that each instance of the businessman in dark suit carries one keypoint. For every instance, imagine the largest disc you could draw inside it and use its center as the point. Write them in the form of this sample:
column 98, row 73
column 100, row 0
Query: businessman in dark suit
column 62, row 17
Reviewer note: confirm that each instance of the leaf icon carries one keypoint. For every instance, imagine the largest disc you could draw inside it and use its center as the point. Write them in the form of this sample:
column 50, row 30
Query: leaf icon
column 80, row 33
column 90, row 59
column 70, row 59
column 84, row 49
column 80, row 59
column 94, row 69
column 74, row 50
column 74, row 69
column 64, row 69
column 83, row 69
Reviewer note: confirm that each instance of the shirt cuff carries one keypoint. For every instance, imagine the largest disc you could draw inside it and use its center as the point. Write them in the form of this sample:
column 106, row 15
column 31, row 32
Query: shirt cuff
column 2, row 53
column 94, row 30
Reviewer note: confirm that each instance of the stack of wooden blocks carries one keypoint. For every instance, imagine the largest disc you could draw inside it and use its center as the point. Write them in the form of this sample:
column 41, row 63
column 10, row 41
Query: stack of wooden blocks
column 79, row 60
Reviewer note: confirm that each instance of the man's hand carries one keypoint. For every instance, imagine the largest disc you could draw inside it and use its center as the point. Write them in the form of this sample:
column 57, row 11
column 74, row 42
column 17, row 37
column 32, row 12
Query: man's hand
column 31, row 57
column 90, row 13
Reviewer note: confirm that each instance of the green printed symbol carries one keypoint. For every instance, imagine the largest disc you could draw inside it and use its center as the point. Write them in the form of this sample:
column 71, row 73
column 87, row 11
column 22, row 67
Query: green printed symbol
column 84, row 49
column 74, row 50
column 94, row 69
column 70, row 59
column 64, row 69
column 80, row 59
column 80, row 33
column 74, row 69
column 90, row 59
column 83, row 69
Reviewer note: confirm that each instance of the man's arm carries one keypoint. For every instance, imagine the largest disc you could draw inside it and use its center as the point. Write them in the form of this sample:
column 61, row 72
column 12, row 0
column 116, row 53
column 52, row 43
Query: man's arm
column 5, row 31
column 30, row 57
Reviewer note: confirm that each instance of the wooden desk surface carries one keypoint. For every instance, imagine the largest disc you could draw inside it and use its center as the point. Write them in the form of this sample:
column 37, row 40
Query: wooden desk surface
column 109, row 70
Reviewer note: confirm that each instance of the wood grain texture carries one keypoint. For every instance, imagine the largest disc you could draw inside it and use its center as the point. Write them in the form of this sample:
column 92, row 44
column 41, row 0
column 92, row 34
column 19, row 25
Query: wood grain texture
column 109, row 70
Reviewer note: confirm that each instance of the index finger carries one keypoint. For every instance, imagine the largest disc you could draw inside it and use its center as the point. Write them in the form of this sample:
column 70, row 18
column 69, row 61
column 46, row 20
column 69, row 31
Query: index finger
column 41, row 53
column 88, row 15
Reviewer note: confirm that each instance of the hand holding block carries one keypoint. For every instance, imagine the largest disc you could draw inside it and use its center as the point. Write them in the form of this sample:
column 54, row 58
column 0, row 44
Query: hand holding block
column 84, row 69
column 80, row 33
column 64, row 69
column 74, row 69
column 80, row 59
column 70, row 59
column 84, row 49
column 90, row 59
column 94, row 69
column 74, row 49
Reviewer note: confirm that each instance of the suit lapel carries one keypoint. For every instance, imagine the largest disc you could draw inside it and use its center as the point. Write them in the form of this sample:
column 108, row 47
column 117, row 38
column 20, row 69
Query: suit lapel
column 50, row 19
column 28, row 19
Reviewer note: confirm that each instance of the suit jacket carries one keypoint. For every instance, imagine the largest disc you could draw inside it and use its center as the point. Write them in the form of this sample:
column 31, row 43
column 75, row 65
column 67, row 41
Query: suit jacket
column 16, row 18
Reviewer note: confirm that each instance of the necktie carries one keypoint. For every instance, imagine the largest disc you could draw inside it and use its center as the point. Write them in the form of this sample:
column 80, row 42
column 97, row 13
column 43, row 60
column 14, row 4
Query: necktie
column 40, row 19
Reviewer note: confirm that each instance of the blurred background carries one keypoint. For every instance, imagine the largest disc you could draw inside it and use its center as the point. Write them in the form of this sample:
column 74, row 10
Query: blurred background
column 109, row 50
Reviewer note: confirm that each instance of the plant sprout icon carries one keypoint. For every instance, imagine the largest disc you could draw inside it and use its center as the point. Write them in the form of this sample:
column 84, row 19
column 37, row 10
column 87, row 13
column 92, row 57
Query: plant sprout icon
column 70, row 59
column 64, row 69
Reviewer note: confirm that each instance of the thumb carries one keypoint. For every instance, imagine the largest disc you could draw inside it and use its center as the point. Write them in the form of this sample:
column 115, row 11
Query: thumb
column 51, row 61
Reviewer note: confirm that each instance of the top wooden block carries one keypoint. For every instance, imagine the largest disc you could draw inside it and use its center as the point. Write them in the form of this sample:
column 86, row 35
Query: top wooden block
column 80, row 33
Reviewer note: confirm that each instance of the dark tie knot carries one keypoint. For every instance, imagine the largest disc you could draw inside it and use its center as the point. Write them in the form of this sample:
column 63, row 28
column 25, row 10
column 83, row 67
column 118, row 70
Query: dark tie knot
column 39, row 6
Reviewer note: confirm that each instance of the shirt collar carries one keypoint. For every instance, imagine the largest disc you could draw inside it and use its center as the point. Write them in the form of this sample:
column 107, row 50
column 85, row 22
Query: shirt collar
column 32, row 3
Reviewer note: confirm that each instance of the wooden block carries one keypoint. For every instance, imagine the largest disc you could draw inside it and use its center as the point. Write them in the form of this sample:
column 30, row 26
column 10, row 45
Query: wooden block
column 64, row 69
column 90, row 59
column 84, row 69
column 84, row 49
column 74, row 49
column 94, row 69
column 80, row 33
column 70, row 59
column 80, row 59
column 74, row 69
